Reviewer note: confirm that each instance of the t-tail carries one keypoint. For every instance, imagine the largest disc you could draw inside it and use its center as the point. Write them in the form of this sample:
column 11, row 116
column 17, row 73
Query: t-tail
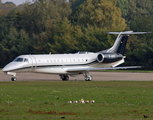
column 120, row 43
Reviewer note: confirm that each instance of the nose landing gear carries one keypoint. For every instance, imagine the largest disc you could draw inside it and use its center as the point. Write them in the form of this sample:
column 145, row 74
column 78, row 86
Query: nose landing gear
column 13, row 79
column 13, row 75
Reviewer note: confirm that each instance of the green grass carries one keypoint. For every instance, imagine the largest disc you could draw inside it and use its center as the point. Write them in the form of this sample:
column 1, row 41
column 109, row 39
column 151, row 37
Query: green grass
column 37, row 100
column 133, row 71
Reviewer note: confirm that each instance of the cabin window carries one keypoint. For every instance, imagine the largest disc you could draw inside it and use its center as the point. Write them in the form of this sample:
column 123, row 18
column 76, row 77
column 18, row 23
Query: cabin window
column 26, row 60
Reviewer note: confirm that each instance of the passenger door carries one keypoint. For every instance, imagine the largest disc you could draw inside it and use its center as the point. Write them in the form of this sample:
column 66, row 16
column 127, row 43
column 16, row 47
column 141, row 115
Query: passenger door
column 33, row 62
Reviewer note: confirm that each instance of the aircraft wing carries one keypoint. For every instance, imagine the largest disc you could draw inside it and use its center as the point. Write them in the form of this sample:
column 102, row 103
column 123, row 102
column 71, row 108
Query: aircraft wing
column 107, row 68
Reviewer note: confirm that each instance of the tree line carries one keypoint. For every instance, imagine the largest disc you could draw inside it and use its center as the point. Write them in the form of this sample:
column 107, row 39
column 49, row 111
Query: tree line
column 81, row 25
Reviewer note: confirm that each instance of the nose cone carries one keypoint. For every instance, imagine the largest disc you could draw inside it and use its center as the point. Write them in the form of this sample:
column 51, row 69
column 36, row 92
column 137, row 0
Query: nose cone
column 5, row 69
column 9, row 67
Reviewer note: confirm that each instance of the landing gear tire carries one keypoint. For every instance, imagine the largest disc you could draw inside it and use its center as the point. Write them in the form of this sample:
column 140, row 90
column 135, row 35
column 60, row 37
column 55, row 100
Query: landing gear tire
column 64, row 77
column 88, row 78
column 13, row 79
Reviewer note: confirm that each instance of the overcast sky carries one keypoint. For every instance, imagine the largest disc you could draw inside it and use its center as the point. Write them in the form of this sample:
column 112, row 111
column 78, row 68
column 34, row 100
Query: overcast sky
column 17, row 2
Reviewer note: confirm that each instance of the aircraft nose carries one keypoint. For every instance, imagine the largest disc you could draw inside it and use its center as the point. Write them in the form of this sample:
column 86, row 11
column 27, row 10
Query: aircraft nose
column 7, row 68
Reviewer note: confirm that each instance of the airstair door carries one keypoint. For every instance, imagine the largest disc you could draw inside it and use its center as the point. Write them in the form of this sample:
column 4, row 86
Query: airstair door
column 34, row 62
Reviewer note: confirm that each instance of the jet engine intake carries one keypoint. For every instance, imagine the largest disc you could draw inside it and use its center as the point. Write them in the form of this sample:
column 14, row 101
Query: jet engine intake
column 109, row 57
column 100, row 57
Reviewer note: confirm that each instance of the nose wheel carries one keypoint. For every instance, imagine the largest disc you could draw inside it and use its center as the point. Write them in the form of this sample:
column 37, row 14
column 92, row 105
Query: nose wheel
column 13, row 79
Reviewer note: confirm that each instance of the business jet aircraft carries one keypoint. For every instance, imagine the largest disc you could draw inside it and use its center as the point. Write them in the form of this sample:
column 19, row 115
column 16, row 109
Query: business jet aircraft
column 73, row 64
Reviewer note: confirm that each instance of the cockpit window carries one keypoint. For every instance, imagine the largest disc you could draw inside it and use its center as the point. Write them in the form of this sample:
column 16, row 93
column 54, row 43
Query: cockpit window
column 18, row 60
column 21, row 60
column 26, row 60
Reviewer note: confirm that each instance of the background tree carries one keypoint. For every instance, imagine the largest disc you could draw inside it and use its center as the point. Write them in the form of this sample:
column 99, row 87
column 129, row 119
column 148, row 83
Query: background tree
column 77, row 3
column 136, row 8
column 100, row 13
column 7, row 6
column 144, row 43
column 64, row 40
column 14, row 44
column 124, row 6
column 35, row 17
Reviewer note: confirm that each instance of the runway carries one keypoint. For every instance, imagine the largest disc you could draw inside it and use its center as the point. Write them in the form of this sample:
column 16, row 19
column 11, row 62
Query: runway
column 97, row 76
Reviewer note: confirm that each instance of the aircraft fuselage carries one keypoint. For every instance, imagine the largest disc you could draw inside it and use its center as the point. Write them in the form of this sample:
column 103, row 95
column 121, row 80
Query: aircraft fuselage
column 60, row 63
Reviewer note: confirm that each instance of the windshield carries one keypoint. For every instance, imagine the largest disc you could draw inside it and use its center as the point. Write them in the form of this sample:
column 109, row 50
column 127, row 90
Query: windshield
column 18, row 60
column 21, row 60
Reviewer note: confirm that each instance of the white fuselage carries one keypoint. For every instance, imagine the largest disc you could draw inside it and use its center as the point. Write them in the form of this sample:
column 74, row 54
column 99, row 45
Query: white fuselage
column 57, row 63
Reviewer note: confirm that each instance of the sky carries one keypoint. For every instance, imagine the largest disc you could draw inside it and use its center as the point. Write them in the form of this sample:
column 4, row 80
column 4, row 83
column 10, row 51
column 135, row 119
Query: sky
column 17, row 2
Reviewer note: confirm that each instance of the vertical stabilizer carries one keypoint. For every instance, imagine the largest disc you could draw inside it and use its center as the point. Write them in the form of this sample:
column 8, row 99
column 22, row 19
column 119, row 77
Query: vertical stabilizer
column 120, row 43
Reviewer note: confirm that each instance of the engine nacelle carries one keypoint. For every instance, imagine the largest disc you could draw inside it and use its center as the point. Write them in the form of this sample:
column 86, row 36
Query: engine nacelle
column 100, row 57
column 109, row 57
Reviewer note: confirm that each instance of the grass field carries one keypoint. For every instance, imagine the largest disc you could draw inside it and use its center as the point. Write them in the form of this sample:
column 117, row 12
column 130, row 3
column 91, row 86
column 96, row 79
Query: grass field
column 37, row 100
column 131, row 71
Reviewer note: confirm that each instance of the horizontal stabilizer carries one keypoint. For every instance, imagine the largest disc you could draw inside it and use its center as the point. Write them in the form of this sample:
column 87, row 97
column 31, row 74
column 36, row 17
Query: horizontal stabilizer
column 128, row 32
column 107, row 68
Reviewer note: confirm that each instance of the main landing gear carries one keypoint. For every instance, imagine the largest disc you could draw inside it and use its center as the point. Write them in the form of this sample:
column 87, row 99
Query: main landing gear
column 13, row 79
column 88, row 77
column 64, row 77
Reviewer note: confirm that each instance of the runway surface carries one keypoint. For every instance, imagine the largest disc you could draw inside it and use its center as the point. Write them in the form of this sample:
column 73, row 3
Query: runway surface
column 97, row 76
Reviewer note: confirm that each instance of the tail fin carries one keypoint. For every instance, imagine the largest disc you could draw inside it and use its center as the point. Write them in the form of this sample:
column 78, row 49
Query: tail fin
column 120, row 43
